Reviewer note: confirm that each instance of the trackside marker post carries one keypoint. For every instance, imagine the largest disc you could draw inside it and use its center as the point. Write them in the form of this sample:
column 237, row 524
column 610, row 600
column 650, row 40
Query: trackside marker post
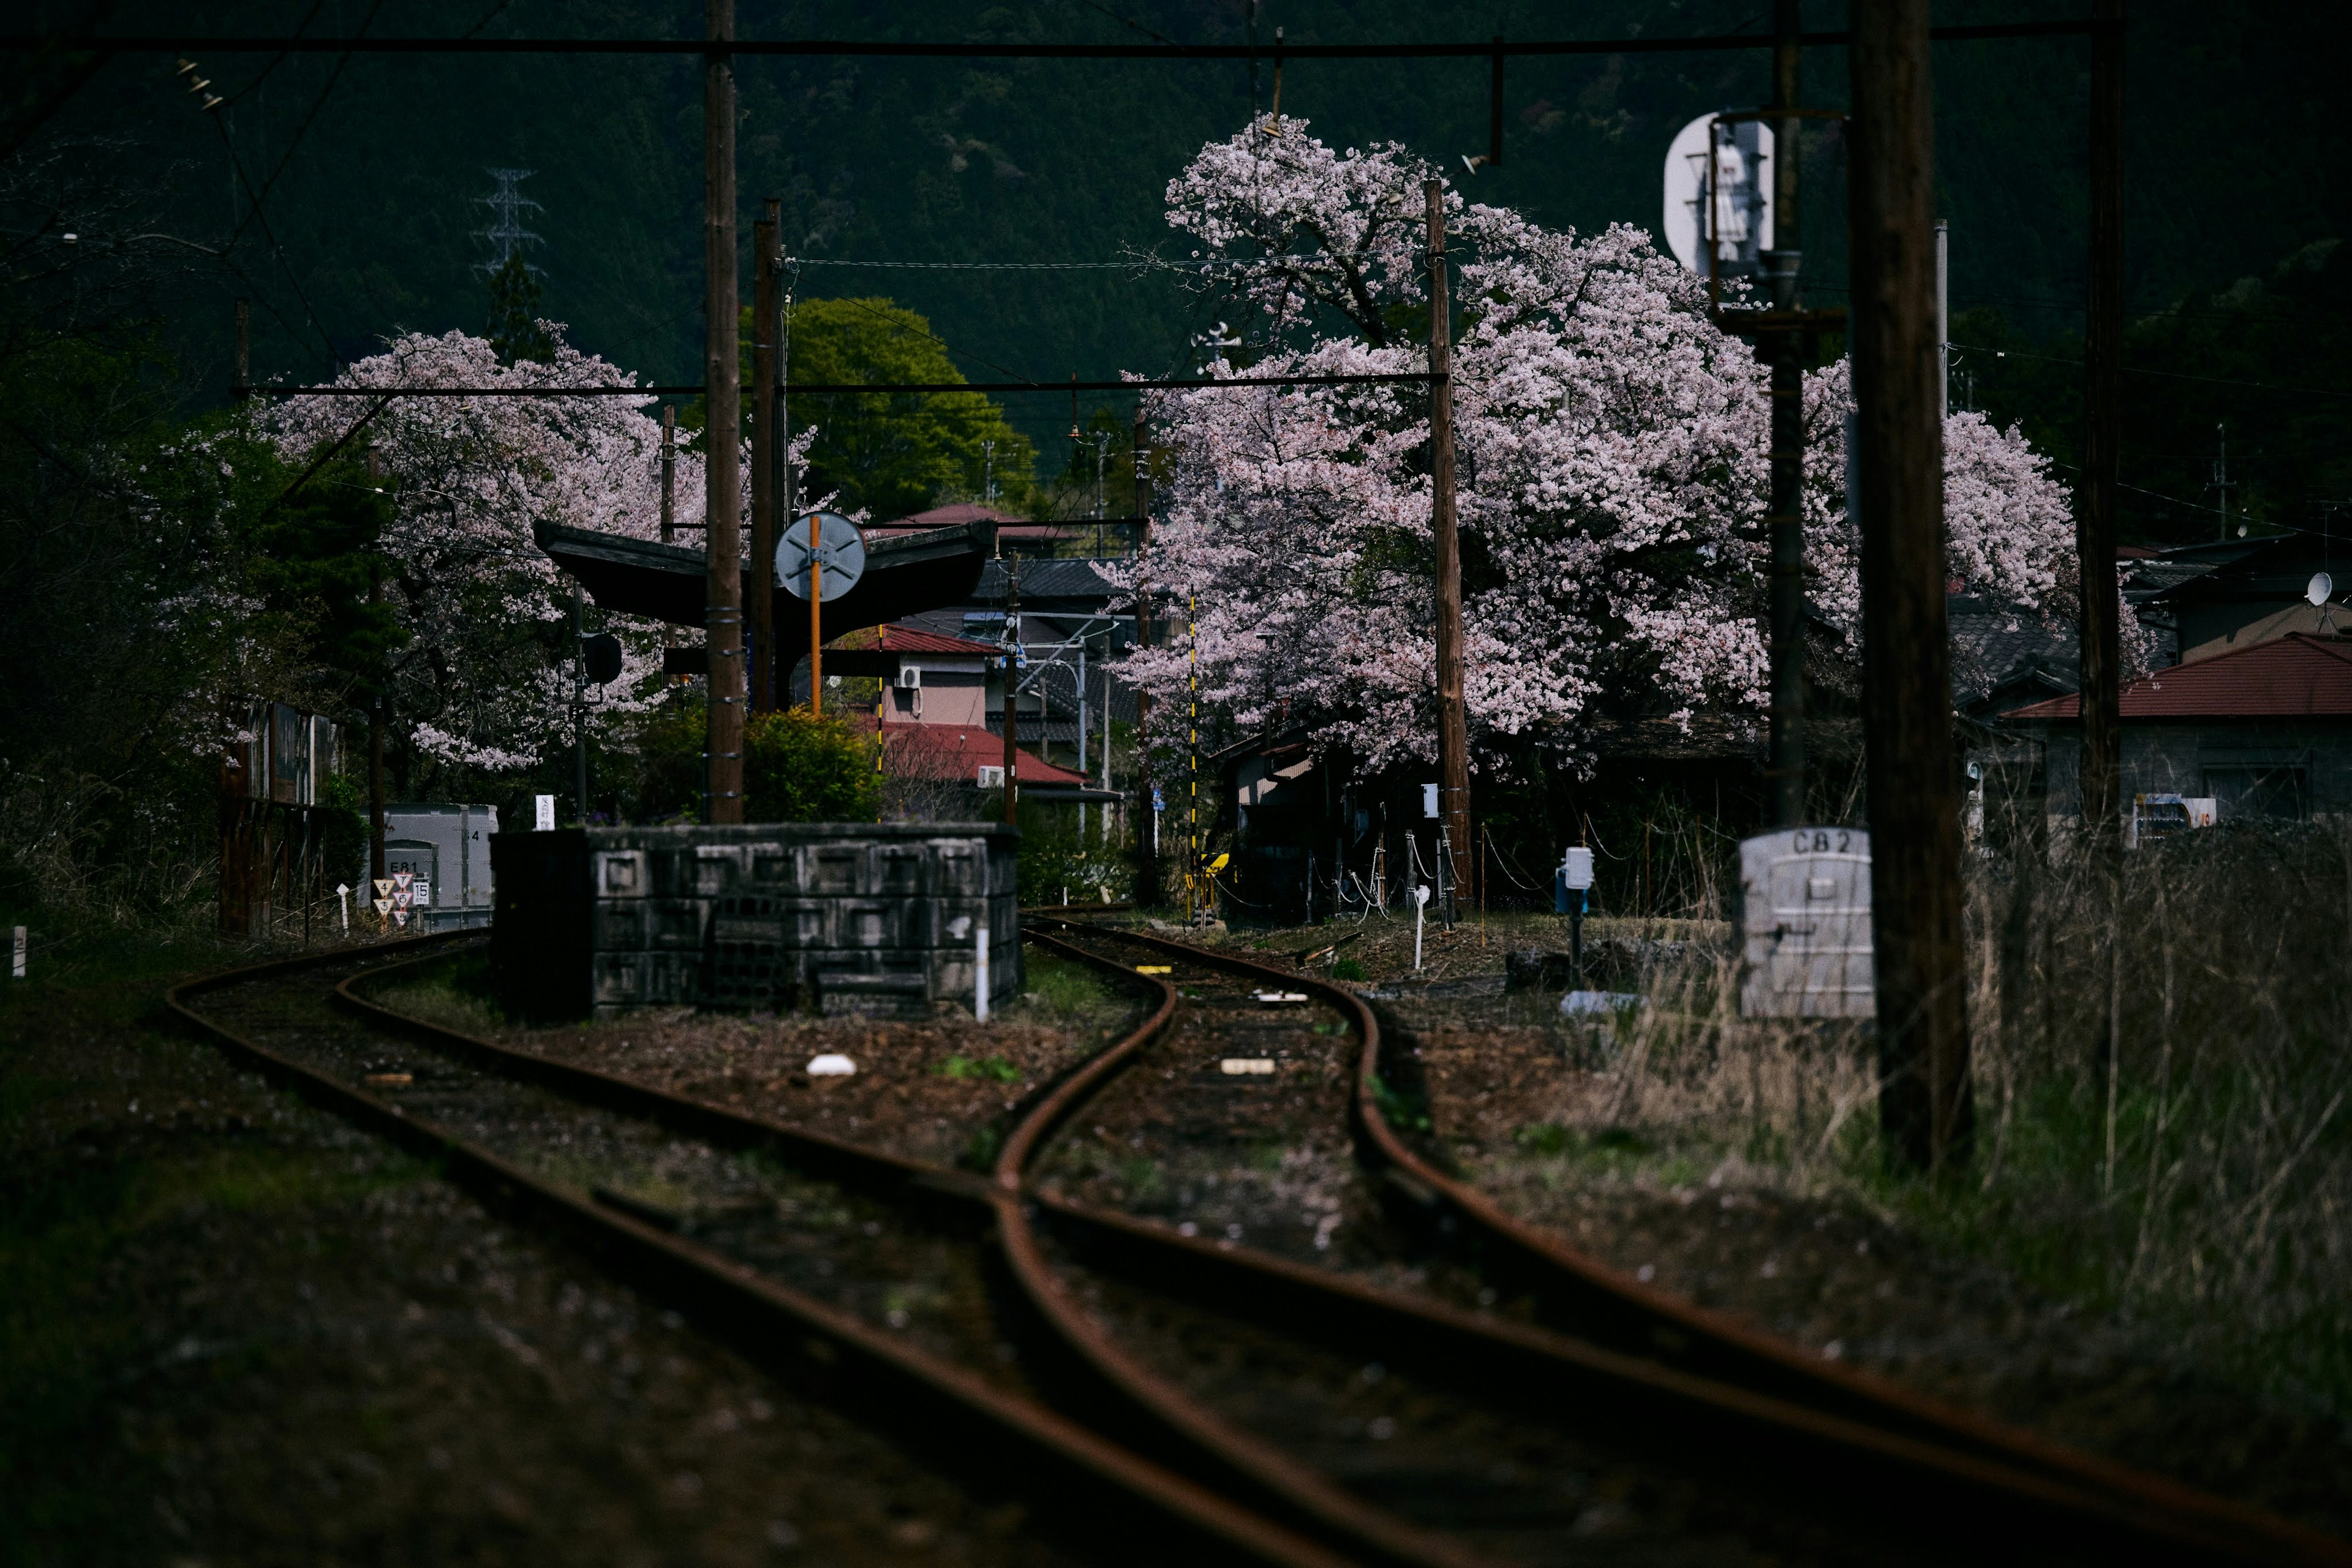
column 980, row 971
column 343, row 901
column 1419, row 905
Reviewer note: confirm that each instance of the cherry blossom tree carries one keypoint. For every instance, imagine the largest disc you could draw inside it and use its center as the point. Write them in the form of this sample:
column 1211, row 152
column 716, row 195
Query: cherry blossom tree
column 484, row 679
column 1611, row 479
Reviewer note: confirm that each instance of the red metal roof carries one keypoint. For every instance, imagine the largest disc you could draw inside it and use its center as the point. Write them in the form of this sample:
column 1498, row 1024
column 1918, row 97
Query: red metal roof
column 2294, row 677
column 960, row 751
column 903, row 636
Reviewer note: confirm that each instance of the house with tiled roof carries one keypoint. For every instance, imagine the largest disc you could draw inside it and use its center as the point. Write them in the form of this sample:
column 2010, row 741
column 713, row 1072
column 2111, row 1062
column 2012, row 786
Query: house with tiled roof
column 938, row 693
column 2264, row 729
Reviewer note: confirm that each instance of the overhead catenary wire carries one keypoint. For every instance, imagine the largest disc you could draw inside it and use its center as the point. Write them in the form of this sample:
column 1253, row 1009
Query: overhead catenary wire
column 2166, row 375
column 294, row 143
column 694, row 389
column 1486, row 49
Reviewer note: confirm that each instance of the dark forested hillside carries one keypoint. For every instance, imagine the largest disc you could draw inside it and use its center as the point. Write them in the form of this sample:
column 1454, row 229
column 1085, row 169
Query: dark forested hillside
column 371, row 166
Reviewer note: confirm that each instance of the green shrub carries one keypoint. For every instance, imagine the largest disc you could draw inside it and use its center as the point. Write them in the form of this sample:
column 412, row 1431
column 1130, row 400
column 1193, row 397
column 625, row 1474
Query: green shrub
column 803, row 767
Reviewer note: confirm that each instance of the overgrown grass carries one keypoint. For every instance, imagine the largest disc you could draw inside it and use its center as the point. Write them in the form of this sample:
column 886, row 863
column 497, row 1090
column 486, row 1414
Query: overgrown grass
column 1058, row 991
column 456, row 994
column 90, row 1196
column 2163, row 1085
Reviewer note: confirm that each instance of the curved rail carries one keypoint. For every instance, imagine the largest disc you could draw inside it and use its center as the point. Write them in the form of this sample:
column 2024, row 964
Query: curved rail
column 1705, row 1360
column 816, row 1337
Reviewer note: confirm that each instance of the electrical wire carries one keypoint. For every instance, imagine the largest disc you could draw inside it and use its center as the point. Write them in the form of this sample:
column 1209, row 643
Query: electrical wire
column 275, row 250
column 2167, row 374
column 1512, row 867
column 279, row 59
column 295, row 142
column 979, row 265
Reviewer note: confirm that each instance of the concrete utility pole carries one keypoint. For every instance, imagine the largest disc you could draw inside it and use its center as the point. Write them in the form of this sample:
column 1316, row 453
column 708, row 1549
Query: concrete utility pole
column 379, row 716
column 767, row 263
column 1784, row 351
column 1012, row 688
column 722, row 533
column 1943, row 319
column 670, row 471
column 1147, row 822
column 1452, row 729
column 1914, row 809
column 2094, row 520
column 244, row 388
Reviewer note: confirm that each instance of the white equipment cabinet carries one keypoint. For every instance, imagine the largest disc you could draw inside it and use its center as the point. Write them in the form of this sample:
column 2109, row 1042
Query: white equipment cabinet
column 446, row 848
column 1805, row 924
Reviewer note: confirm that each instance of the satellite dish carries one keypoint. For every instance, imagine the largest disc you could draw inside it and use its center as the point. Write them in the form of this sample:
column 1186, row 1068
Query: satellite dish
column 1743, row 195
column 2321, row 586
column 840, row 554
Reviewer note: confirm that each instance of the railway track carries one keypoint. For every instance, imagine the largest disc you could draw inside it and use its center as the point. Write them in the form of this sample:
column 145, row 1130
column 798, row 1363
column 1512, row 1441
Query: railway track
column 863, row 1276
column 1284, row 1364
column 1353, row 1187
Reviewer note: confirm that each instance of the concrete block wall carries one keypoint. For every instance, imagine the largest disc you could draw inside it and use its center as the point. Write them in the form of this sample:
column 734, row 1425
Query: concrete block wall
column 843, row 917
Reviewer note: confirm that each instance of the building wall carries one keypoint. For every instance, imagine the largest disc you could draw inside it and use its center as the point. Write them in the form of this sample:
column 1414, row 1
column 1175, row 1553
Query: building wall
column 2215, row 758
column 946, row 697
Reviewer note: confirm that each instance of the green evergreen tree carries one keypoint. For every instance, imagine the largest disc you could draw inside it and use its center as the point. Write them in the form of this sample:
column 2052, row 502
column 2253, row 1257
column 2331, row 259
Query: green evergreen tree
column 514, row 327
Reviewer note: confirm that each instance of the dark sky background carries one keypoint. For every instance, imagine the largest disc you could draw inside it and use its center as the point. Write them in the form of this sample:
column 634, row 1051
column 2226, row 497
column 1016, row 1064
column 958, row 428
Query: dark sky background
column 373, row 164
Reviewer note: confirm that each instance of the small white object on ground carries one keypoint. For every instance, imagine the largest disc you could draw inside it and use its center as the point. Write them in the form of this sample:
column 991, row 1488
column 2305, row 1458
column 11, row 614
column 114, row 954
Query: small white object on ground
column 1576, row 1002
column 1236, row 1066
column 831, row 1065
column 1280, row 998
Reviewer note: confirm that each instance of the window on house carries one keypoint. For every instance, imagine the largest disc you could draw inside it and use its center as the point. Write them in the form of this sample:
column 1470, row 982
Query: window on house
column 2275, row 794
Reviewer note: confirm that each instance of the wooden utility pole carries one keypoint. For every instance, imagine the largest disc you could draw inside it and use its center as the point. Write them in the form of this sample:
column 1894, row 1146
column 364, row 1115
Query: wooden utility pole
column 1914, row 809
column 1783, row 351
column 766, row 264
column 2095, row 518
column 1012, row 688
column 1452, row 729
column 722, row 532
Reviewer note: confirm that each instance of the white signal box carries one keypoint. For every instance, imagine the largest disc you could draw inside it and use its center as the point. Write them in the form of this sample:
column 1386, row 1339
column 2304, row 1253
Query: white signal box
column 1579, row 867
column 1805, row 925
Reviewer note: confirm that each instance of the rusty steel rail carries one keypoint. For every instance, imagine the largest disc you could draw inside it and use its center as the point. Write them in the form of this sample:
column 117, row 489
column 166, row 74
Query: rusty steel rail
column 1654, row 1349
column 1055, row 1455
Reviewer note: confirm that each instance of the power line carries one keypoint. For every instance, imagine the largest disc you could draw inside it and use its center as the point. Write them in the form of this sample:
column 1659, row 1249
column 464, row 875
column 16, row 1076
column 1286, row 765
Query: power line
column 294, row 145
column 2167, row 374
column 982, row 265
column 277, row 59
column 1526, row 48
column 275, row 250
column 695, row 389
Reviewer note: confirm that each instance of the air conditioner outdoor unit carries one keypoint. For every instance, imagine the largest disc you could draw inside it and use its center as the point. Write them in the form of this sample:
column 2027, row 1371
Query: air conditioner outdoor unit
column 992, row 778
column 911, row 678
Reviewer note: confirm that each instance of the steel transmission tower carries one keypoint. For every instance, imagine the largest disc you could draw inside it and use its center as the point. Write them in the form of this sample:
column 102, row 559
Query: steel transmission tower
column 506, row 236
